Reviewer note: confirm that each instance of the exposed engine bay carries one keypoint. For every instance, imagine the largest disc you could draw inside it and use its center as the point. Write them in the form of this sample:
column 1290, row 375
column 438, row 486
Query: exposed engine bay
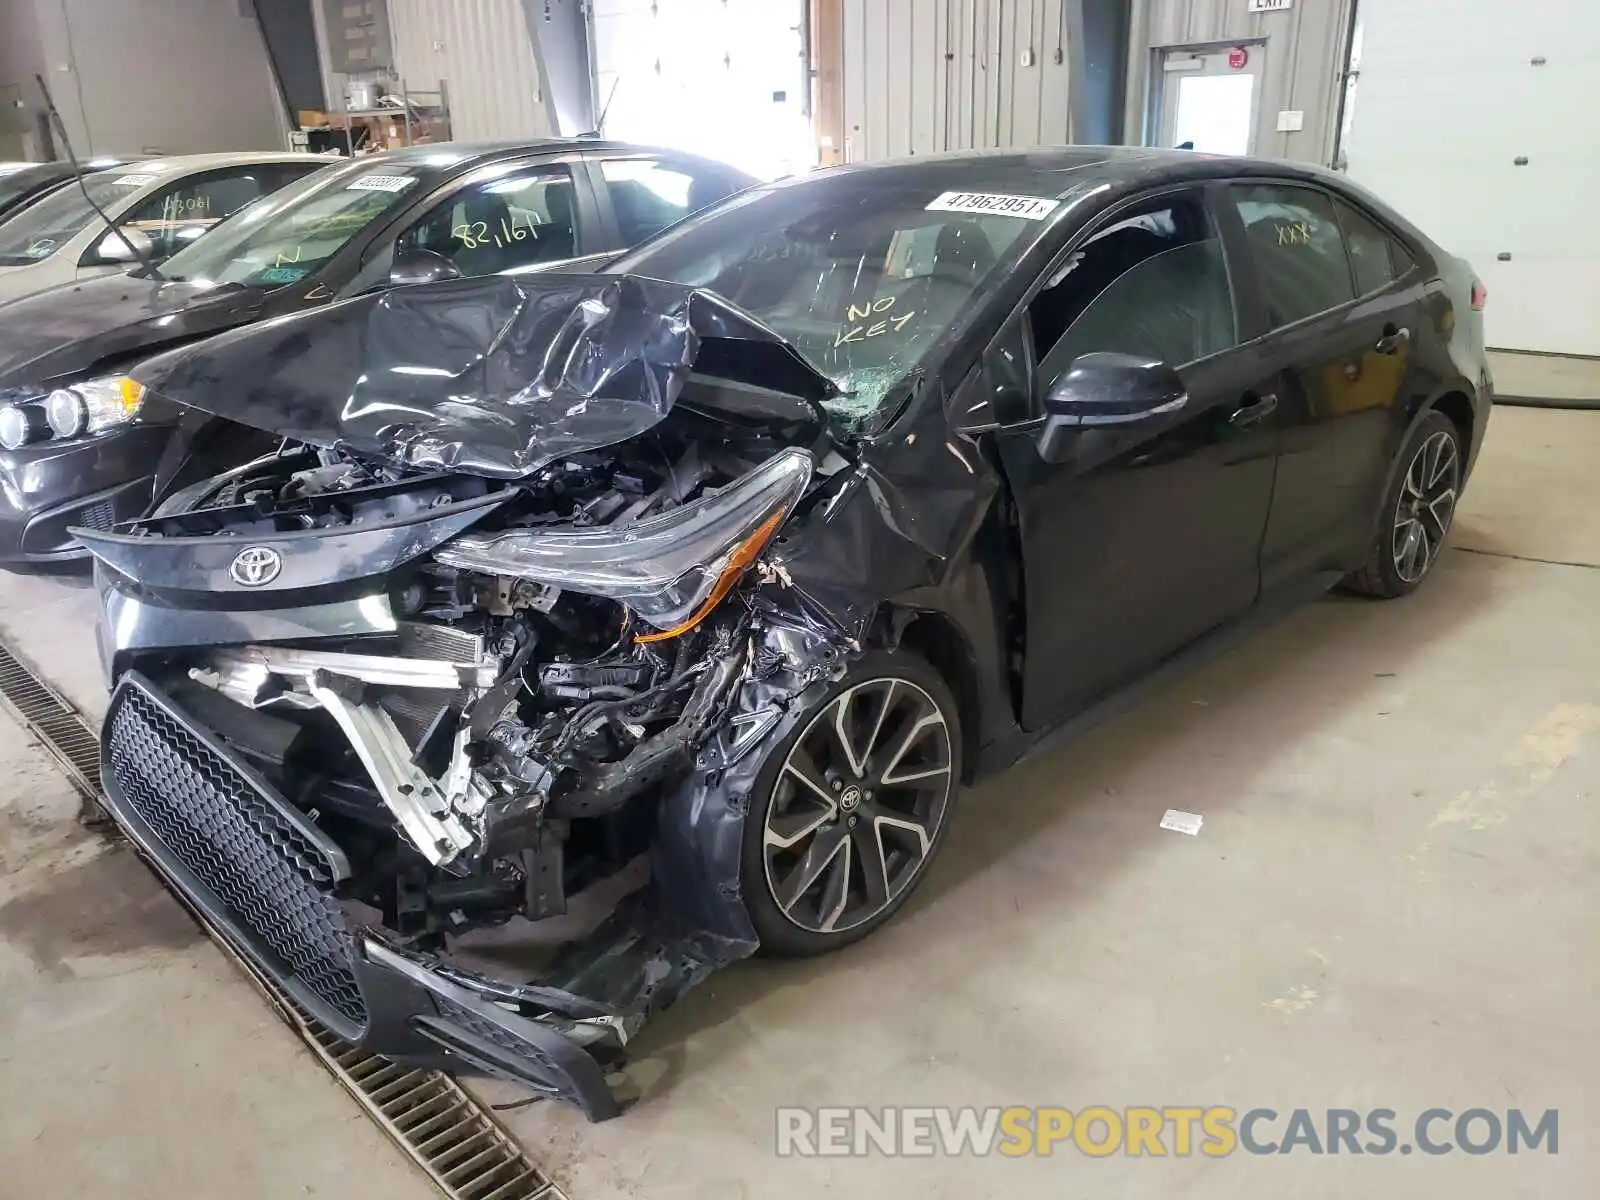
column 507, row 743
column 499, row 751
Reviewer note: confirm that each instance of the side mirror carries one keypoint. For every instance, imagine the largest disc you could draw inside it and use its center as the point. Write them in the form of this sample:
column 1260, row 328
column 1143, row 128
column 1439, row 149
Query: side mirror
column 412, row 264
column 1102, row 389
column 112, row 249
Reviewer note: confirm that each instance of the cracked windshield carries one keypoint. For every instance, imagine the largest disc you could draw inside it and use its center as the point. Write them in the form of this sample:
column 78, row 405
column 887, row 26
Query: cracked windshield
column 862, row 283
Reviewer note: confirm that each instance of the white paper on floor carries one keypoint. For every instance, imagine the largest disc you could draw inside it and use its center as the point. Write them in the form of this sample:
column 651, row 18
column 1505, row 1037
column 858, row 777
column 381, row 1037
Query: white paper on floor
column 1182, row 822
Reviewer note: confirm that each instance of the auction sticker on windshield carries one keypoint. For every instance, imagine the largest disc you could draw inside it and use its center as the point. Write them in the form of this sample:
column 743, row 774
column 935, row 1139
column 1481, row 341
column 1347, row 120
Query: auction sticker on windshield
column 381, row 183
column 134, row 180
column 1030, row 208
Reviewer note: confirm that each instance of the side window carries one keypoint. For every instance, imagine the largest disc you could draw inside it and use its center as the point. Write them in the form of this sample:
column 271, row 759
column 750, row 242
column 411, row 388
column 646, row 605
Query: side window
column 648, row 195
column 1151, row 283
column 177, row 215
column 513, row 220
column 1299, row 255
column 1374, row 257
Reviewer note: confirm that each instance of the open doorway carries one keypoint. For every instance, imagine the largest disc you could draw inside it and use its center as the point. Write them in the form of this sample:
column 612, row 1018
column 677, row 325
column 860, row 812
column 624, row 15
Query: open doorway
column 1208, row 98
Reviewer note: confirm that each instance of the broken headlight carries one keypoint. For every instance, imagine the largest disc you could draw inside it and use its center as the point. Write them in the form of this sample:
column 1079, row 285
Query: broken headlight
column 671, row 569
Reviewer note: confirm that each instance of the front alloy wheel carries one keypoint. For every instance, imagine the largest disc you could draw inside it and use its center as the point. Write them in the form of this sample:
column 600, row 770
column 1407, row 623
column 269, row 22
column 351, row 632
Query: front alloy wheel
column 853, row 812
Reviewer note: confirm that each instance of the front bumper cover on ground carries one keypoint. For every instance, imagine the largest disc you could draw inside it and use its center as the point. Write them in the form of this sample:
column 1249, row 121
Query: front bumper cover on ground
column 263, row 876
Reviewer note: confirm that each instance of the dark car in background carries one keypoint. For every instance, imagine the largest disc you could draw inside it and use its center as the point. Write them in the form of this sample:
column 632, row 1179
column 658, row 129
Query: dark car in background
column 80, row 444
column 744, row 551
column 21, row 183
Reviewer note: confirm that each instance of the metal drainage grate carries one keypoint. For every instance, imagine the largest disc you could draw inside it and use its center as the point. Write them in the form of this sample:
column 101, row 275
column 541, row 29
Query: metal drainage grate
column 454, row 1139
column 58, row 726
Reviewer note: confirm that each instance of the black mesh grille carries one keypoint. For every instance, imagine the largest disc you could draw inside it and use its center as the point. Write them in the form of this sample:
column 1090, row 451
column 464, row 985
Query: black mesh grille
column 498, row 1035
column 98, row 515
column 274, row 881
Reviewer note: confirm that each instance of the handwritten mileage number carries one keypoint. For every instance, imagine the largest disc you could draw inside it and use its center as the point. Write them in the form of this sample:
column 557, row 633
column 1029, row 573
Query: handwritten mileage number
column 477, row 233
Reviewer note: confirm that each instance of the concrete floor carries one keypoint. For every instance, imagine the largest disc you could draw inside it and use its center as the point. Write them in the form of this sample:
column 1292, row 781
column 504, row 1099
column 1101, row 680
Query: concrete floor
column 1392, row 903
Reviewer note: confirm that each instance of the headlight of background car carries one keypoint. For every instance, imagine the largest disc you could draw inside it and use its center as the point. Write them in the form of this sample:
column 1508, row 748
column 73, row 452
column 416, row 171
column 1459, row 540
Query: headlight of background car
column 672, row 569
column 94, row 405
column 21, row 424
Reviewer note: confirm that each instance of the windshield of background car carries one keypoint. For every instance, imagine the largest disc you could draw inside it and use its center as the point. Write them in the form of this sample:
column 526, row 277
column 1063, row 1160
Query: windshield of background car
column 42, row 228
column 862, row 276
column 287, row 236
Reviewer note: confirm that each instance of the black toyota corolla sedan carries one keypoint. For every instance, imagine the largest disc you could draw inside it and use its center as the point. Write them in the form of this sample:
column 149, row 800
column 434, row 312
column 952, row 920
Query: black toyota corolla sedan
column 81, row 445
column 742, row 554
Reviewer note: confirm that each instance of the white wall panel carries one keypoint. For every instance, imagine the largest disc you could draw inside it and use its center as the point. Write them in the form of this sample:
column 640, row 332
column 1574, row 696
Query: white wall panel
column 131, row 77
column 1449, row 98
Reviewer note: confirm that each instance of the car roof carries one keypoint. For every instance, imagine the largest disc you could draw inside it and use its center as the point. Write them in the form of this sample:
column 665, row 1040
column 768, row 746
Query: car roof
column 172, row 165
column 1057, row 170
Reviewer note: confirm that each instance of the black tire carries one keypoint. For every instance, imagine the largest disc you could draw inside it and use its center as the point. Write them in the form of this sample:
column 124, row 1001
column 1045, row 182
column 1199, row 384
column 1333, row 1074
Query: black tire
column 885, row 700
column 1414, row 519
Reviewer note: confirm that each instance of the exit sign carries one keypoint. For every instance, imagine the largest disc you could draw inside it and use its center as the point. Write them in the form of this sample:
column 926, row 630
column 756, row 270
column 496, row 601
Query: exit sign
column 1269, row 5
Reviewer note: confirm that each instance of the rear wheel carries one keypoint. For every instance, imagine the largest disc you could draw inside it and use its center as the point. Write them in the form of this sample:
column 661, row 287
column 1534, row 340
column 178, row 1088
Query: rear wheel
column 1417, row 512
column 852, row 806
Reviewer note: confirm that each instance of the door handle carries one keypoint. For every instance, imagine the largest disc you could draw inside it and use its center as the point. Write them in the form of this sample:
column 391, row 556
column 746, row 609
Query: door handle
column 1393, row 338
column 1255, row 409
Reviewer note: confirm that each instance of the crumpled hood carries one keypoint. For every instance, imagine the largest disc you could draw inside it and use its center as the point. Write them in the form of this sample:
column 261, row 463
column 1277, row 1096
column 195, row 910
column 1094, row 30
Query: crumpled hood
column 496, row 376
column 65, row 330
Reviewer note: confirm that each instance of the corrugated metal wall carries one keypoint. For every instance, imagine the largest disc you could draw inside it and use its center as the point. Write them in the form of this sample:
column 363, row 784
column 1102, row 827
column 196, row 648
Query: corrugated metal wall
column 921, row 76
column 1304, row 49
column 482, row 51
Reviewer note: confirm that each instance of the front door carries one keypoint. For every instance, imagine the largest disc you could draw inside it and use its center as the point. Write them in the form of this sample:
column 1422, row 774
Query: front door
column 1208, row 98
column 1148, row 536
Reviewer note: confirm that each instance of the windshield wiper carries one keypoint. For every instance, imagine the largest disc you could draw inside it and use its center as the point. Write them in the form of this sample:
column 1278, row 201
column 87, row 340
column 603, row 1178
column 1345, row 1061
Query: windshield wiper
column 66, row 144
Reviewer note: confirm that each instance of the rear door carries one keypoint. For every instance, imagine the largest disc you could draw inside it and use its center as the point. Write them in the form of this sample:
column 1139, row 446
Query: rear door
column 1148, row 536
column 1343, row 353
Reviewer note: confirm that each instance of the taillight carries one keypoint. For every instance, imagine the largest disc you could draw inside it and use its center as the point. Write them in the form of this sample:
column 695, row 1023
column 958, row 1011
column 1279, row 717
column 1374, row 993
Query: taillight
column 1480, row 296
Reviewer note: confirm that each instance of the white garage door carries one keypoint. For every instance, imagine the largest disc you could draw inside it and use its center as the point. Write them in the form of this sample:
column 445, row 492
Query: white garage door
column 1481, row 122
column 723, row 78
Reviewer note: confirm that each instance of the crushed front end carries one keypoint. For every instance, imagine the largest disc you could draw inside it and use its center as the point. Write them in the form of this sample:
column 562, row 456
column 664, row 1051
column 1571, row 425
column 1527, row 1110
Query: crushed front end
column 460, row 760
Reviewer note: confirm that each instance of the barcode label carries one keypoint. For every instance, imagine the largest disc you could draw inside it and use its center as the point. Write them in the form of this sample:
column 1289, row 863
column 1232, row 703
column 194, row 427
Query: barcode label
column 381, row 183
column 1029, row 208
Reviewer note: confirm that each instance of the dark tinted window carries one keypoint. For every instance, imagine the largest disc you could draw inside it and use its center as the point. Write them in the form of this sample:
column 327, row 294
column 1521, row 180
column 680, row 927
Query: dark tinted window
column 1372, row 251
column 1151, row 283
column 647, row 195
column 1299, row 254
column 512, row 220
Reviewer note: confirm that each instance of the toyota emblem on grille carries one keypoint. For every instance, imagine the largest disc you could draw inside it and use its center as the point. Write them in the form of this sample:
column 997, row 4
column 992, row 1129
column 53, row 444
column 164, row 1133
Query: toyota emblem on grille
column 255, row 565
